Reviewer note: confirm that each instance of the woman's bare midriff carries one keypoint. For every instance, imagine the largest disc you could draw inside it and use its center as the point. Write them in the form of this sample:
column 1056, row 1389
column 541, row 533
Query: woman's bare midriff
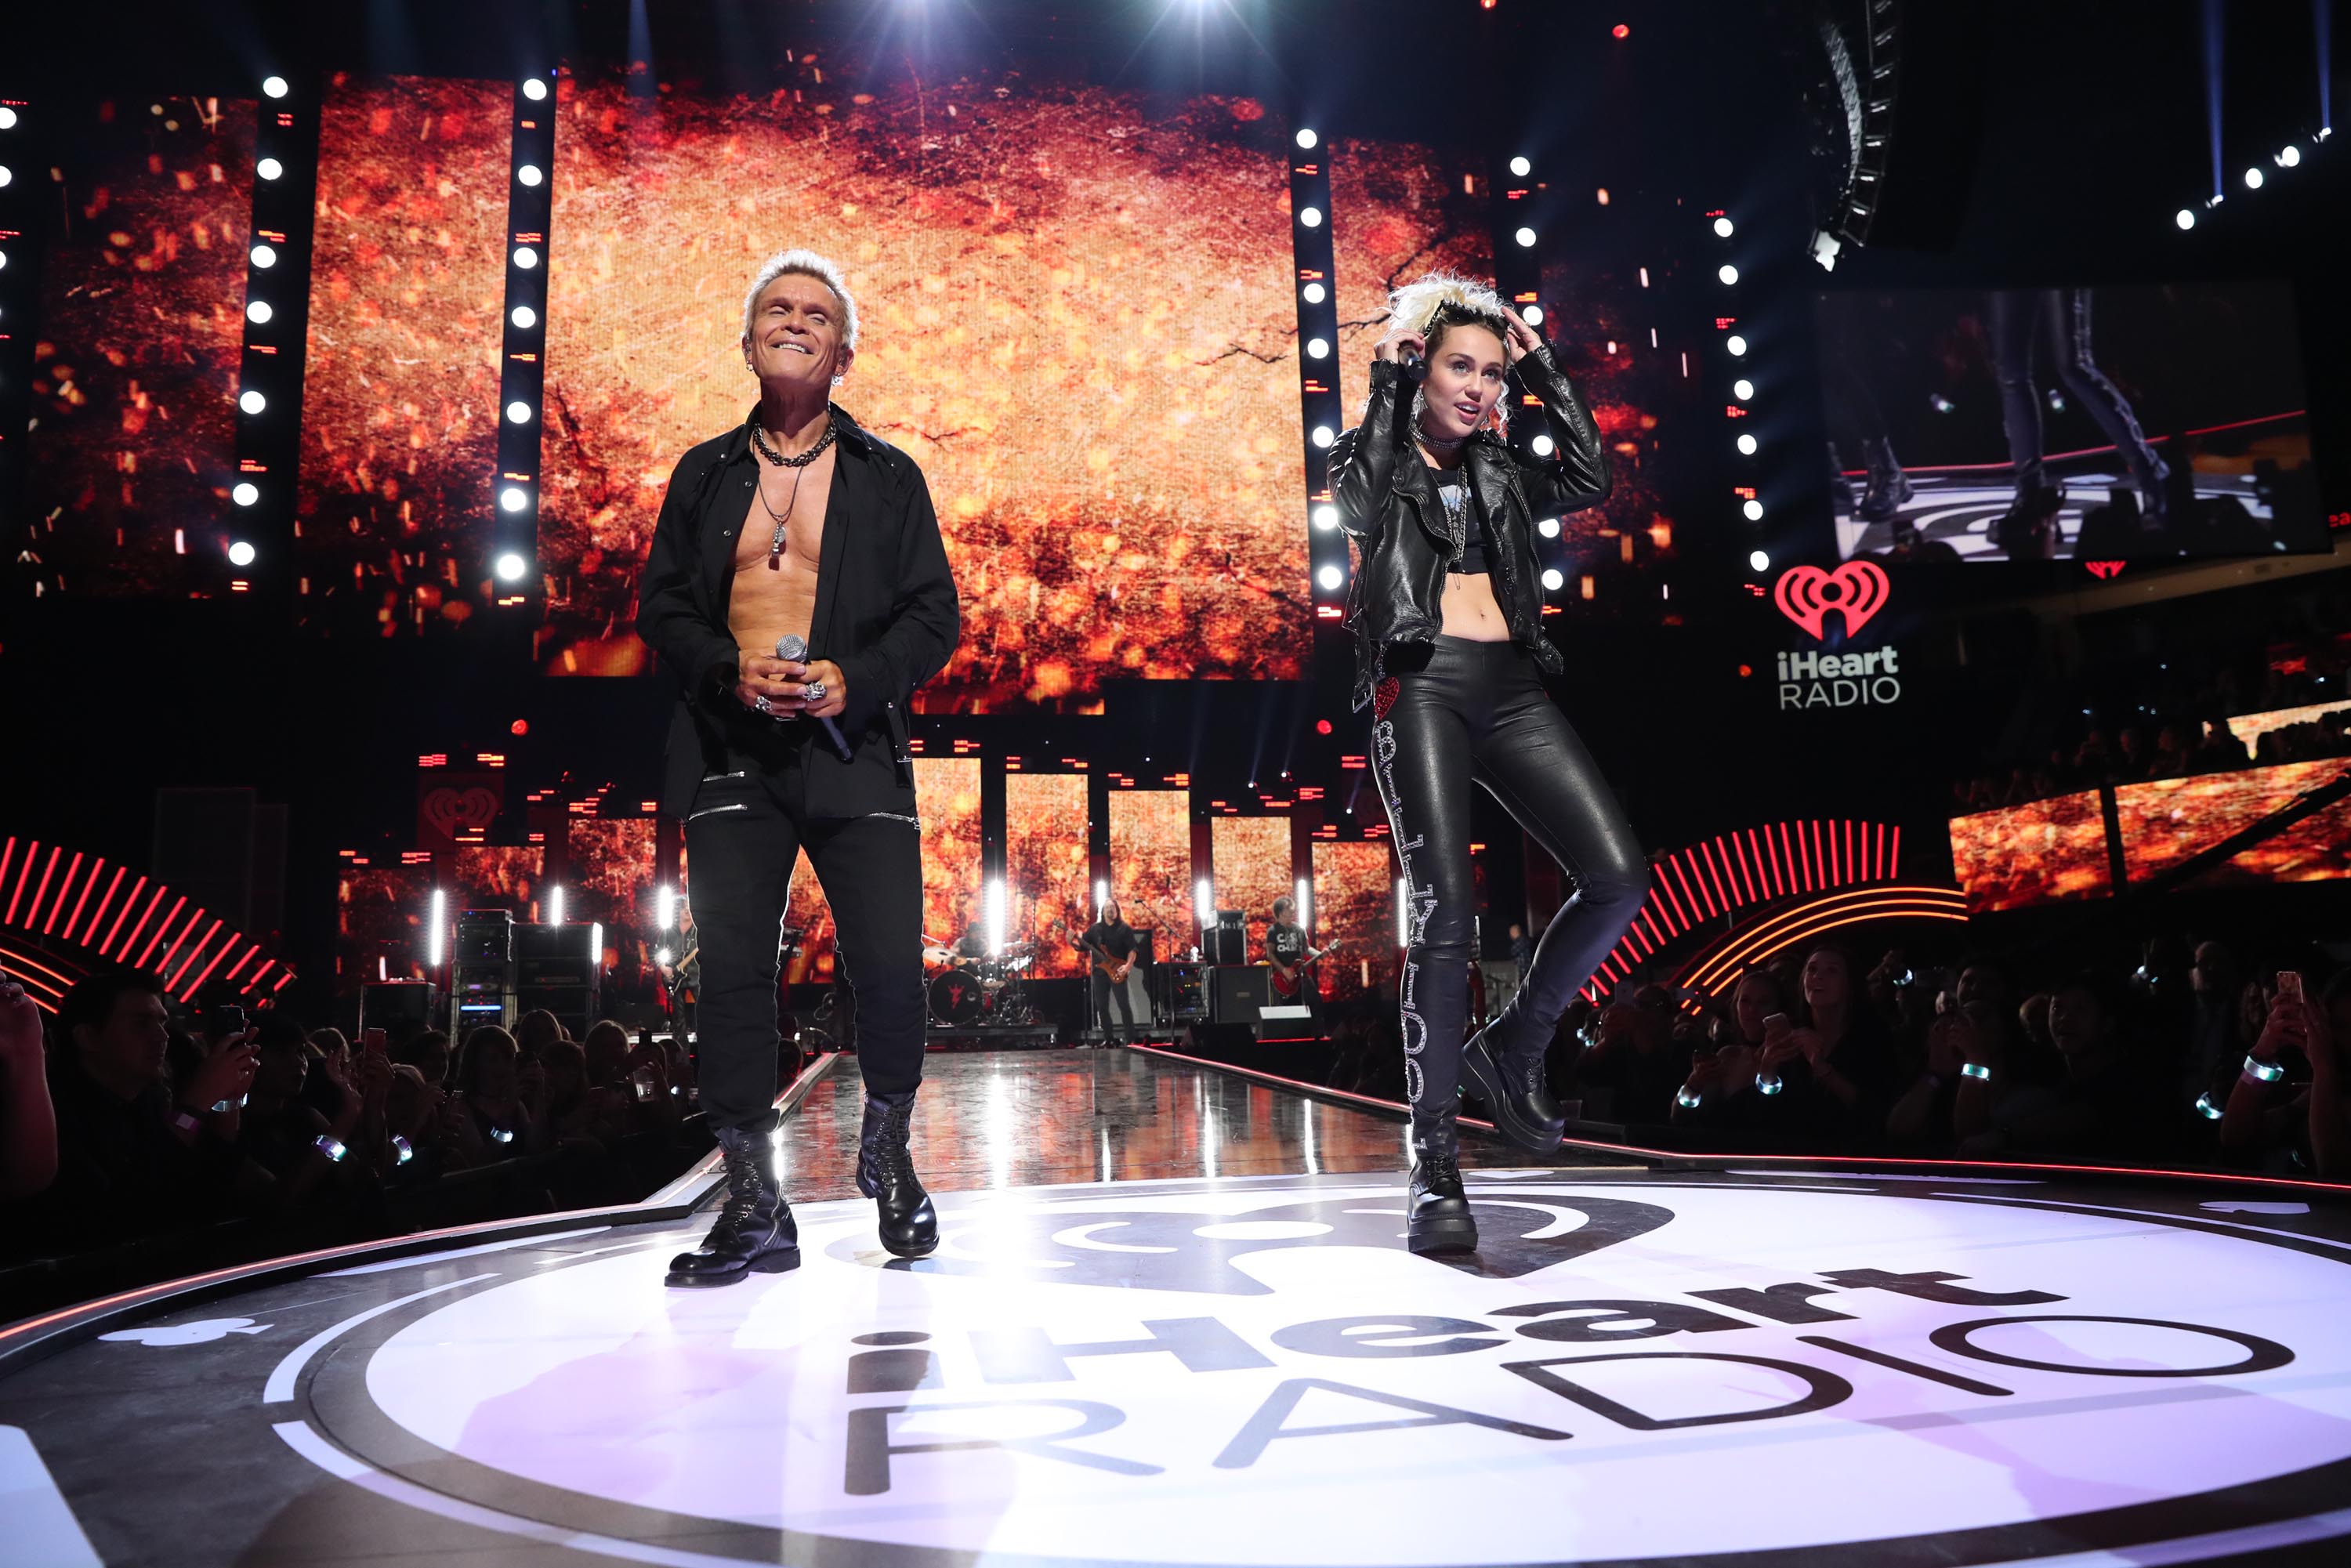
column 1471, row 610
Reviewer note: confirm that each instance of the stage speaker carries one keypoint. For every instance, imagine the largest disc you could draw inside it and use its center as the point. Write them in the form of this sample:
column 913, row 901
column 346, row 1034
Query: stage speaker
column 1227, row 940
column 555, row 971
column 1235, row 993
column 402, row 1009
column 484, row 937
column 480, row 994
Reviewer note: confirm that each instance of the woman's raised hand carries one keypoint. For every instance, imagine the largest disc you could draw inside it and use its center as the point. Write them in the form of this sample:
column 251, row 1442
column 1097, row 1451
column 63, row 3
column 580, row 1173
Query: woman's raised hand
column 1522, row 339
column 1391, row 348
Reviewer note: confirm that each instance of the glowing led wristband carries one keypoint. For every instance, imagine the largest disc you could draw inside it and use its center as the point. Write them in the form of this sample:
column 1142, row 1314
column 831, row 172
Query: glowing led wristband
column 407, row 1151
column 1976, row 1071
column 1687, row 1099
column 329, row 1145
column 2262, row 1071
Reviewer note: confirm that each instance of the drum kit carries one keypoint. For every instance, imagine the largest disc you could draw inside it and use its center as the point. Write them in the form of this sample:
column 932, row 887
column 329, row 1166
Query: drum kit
column 965, row 991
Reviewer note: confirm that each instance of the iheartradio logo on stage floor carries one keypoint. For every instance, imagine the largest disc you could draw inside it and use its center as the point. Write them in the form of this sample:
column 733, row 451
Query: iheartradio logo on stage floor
column 1812, row 678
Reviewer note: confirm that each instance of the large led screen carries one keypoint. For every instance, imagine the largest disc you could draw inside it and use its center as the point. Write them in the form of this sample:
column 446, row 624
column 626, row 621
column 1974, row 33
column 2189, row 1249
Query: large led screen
column 1074, row 313
column 1250, row 865
column 133, row 437
column 2036, row 853
column 400, row 398
column 2167, row 821
column 1944, row 407
column 1356, row 907
column 1151, row 864
column 1045, row 860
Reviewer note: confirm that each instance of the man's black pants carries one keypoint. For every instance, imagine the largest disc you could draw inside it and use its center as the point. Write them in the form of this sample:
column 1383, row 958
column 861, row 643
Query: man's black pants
column 1110, row 993
column 743, row 836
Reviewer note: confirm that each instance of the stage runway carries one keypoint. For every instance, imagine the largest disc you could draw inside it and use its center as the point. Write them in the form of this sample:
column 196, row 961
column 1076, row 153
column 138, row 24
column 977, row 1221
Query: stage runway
column 1222, row 1354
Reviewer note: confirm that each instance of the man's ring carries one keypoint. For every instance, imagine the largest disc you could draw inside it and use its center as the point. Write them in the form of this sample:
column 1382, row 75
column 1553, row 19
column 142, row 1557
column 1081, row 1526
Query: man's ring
column 813, row 691
column 762, row 704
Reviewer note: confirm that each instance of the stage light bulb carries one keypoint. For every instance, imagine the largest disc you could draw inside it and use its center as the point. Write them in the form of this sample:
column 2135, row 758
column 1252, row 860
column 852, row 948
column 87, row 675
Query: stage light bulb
column 1526, row 238
column 511, row 567
column 1532, row 315
column 523, row 317
column 529, row 174
column 1746, row 445
column 1326, row 516
column 1317, row 349
column 240, row 554
column 1723, row 227
column 1737, row 345
column 1548, row 527
column 1727, row 272
column 1758, row 560
column 3, row 258
column 269, row 168
column 274, row 87
column 1521, row 166
column 1554, row 580
column 251, row 402
column 1754, row 510
column 1310, row 216
column 2253, row 179
column 1330, row 577
column 518, row 413
column 1742, row 388
column 525, row 258
column 6, row 176
column 1314, row 294
column 534, row 88
column 265, row 256
column 245, row 493
column 1324, row 435
column 1541, row 445
column 1306, row 137
column 7, row 117
column 2288, row 156
column 2184, row 218
column 258, row 312
column 513, row 498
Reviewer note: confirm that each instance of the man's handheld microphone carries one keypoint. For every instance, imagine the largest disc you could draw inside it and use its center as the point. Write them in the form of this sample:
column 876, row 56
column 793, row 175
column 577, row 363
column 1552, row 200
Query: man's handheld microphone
column 796, row 649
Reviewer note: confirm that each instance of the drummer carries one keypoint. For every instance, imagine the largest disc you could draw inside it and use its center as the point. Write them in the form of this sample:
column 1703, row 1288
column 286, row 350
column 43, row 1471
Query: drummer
column 972, row 947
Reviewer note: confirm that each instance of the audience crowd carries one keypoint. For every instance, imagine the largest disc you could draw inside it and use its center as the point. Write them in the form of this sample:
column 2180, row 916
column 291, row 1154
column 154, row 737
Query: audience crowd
column 2196, row 1058
column 125, row 1126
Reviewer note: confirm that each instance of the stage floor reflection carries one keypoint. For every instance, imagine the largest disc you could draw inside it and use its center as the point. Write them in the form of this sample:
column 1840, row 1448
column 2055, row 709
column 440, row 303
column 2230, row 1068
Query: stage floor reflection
column 1222, row 1354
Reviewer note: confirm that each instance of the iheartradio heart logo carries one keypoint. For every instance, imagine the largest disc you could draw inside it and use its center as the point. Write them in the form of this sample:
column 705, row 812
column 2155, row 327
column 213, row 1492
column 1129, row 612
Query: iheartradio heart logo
column 1806, row 594
column 446, row 809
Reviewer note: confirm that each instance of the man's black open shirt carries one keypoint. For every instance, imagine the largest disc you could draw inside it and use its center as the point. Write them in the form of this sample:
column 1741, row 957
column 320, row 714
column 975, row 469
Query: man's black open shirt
column 885, row 613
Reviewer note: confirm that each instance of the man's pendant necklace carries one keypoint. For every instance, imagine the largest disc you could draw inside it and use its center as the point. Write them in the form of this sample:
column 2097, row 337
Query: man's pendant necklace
column 798, row 466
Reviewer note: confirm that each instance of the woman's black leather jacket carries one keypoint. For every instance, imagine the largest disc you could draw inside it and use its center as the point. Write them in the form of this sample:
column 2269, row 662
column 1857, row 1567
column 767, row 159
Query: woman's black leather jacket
column 1387, row 501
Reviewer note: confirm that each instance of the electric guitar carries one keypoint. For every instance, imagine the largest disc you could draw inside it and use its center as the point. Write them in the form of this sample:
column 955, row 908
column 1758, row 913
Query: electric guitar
column 1116, row 968
column 1289, row 982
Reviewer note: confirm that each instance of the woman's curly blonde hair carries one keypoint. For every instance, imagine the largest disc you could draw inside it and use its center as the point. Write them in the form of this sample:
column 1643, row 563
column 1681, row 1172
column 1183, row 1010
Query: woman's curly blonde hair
column 1435, row 302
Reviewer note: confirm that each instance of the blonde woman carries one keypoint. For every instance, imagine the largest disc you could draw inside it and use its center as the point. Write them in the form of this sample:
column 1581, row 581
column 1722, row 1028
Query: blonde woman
column 1446, row 609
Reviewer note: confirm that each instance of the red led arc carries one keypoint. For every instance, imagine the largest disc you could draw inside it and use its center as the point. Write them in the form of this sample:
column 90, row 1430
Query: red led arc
column 75, row 896
column 1751, row 865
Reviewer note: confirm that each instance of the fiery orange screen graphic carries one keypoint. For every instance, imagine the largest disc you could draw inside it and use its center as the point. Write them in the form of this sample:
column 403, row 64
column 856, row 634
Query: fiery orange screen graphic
column 1250, row 859
column 1151, row 864
column 382, row 912
column 2166, row 822
column 498, row 876
column 1076, row 315
column 135, row 354
column 400, row 402
column 1355, row 905
column 1045, row 863
column 2036, row 853
column 946, row 793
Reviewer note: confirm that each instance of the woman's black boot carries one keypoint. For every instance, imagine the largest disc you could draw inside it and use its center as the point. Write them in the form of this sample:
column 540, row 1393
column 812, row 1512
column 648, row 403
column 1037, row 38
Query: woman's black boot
column 755, row 1231
column 886, row 1173
column 1436, row 1215
column 1515, row 1089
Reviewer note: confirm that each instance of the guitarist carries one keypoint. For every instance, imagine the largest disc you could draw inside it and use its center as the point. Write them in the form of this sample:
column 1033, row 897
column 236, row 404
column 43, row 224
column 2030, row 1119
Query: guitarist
column 1286, row 952
column 1110, row 943
column 684, row 974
